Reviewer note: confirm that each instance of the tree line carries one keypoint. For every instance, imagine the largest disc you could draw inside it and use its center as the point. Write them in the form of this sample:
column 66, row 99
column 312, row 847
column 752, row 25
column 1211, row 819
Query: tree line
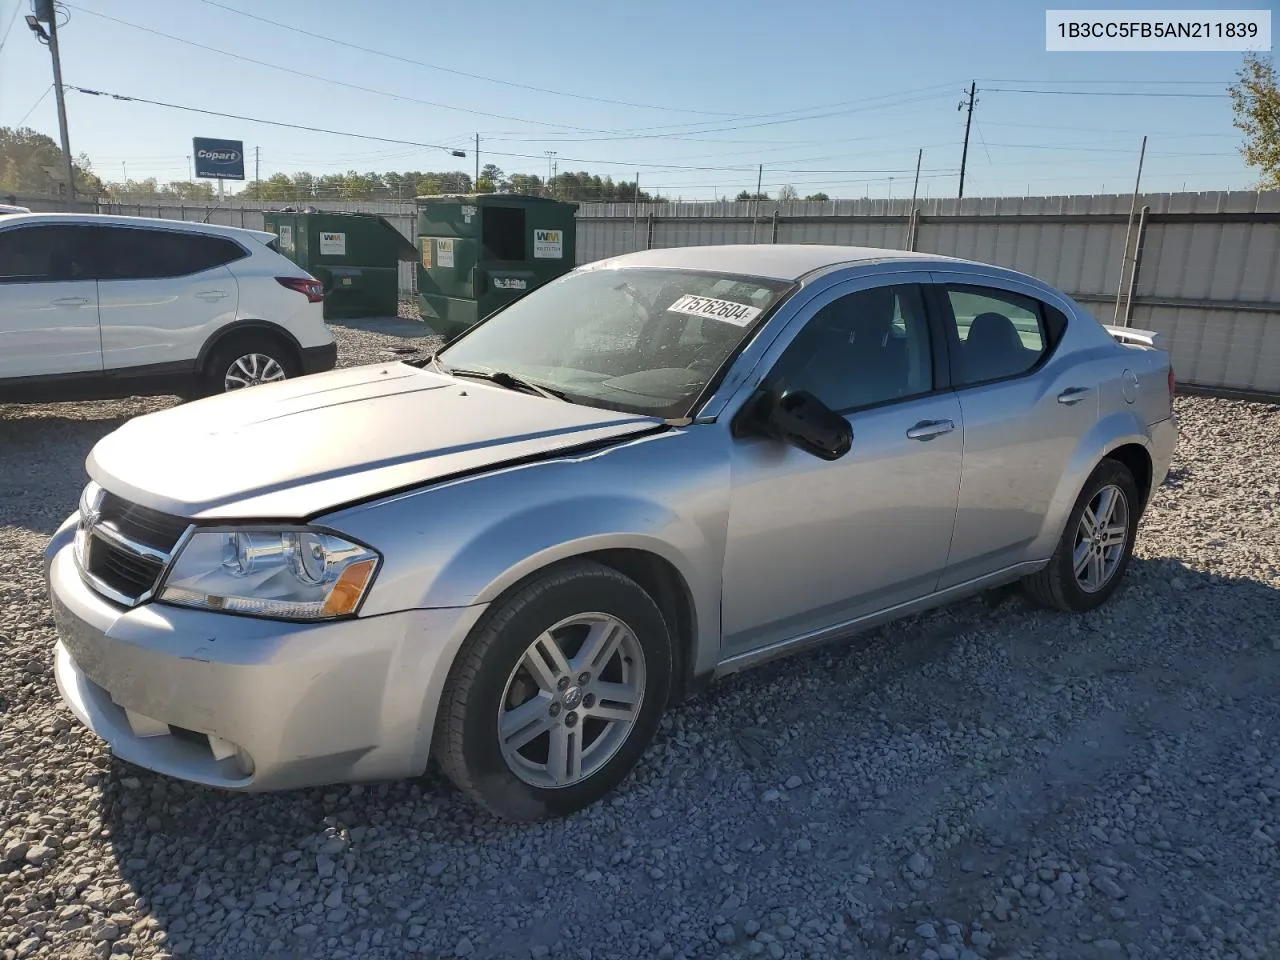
column 31, row 163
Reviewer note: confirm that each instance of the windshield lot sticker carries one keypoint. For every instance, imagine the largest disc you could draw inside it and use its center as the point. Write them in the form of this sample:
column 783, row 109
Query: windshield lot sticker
column 333, row 244
column 739, row 314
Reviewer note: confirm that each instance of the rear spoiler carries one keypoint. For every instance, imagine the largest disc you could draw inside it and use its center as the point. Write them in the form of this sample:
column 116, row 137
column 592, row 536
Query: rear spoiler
column 1130, row 336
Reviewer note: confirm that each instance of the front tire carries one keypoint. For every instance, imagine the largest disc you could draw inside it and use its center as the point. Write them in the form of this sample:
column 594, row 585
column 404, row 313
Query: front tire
column 1096, row 545
column 556, row 694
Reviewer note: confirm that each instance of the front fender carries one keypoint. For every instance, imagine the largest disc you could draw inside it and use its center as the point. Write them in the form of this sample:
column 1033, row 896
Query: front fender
column 1112, row 431
column 524, row 543
column 464, row 543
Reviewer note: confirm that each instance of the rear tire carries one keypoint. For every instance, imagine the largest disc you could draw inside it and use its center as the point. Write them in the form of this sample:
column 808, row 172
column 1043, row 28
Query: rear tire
column 1091, row 558
column 531, row 733
column 248, row 361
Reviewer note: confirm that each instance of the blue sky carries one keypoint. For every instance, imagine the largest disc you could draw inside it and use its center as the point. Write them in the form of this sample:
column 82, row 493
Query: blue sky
column 831, row 95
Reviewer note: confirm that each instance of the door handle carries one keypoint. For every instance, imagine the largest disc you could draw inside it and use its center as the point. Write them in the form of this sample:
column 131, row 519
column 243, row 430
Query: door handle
column 1073, row 395
column 211, row 294
column 928, row 429
column 70, row 301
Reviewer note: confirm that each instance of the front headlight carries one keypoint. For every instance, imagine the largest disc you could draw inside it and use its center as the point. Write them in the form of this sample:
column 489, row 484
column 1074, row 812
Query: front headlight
column 293, row 574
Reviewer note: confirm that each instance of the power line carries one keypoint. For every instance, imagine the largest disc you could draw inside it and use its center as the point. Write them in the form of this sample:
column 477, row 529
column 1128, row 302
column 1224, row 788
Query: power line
column 19, row 124
column 866, row 103
column 411, row 143
column 321, row 79
column 12, row 20
column 1108, row 93
column 1125, row 133
column 271, row 123
column 293, row 28
column 1119, row 81
column 863, row 104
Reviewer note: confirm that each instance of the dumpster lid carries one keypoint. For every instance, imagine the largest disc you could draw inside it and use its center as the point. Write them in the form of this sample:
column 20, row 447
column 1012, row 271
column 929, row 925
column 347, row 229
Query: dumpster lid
column 405, row 249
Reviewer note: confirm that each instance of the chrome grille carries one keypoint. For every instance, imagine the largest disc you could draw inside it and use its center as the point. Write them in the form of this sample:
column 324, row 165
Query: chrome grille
column 142, row 524
column 126, row 548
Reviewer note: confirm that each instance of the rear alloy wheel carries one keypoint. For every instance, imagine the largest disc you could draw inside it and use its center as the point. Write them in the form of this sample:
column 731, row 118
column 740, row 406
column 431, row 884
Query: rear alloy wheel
column 1096, row 544
column 248, row 362
column 250, row 370
column 556, row 694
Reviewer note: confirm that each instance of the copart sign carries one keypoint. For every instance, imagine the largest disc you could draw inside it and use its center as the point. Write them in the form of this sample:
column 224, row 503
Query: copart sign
column 218, row 159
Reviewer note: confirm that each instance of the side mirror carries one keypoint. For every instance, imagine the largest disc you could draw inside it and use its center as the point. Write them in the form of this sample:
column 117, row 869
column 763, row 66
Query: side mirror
column 805, row 422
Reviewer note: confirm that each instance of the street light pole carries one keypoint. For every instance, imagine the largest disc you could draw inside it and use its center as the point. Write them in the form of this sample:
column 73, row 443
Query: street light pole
column 44, row 11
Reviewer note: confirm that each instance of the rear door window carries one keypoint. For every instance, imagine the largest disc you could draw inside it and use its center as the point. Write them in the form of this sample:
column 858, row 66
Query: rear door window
column 46, row 253
column 995, row 334
column 134, row 253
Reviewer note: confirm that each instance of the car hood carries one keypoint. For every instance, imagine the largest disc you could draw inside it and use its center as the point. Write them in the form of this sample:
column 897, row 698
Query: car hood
column 295, row 449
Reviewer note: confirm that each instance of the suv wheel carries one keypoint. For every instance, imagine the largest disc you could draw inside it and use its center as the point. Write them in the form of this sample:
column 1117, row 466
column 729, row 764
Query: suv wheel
column 556, row 693
column 248, row 362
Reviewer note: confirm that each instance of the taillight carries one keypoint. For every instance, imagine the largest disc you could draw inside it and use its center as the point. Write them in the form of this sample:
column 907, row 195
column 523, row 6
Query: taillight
column 1173, row 381
column 312, row 289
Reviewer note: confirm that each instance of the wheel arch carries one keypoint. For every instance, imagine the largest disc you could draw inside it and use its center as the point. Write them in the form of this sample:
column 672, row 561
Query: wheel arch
column 1119, row 436
column 656, row 574
column 1137, row 459
column 241, row 328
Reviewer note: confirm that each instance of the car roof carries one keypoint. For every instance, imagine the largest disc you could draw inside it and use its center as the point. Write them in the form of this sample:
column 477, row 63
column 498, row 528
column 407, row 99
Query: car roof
column 782, row 261
column 111, row 219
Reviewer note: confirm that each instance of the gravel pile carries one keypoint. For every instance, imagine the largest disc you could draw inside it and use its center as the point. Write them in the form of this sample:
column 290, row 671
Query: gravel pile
column 985, row 781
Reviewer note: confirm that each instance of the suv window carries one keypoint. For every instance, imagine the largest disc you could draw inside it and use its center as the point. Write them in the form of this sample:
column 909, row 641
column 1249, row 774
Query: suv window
column 135, row 253
column 863, row 349
column 45, row 254
column 997, row 334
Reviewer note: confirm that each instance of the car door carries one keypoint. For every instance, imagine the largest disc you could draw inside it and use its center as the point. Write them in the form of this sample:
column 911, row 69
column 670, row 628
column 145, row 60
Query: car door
column 162, row 293
column 811, row 543
column 1024, row 411
column 48, row 302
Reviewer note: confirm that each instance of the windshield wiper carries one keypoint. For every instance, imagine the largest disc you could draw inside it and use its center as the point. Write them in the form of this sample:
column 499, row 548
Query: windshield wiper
column 509, row 380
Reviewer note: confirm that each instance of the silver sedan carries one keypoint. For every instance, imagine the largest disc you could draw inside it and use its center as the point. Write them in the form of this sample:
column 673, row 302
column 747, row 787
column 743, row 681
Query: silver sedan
column 659, row 469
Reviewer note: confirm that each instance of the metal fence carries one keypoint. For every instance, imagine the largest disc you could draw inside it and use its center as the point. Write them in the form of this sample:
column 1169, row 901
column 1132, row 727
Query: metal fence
column 1201, row 268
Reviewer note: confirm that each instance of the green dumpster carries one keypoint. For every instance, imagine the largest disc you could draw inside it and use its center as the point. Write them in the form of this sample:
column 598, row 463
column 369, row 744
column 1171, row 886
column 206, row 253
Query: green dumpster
column 479, row 252
column 355, row 255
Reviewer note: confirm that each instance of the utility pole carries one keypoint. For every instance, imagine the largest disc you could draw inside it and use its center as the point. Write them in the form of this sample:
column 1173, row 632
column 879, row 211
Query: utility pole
column 44, row 12
column 257, row 176
column 968, row 121
column 191, row 171
column 635, row 215
column 549, row 155
column 755, row 214
column 911, row 210
column 1133, row 209
column 476, row 185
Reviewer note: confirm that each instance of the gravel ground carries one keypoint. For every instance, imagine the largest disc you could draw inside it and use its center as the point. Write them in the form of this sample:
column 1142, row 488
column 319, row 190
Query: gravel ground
column 985, row 781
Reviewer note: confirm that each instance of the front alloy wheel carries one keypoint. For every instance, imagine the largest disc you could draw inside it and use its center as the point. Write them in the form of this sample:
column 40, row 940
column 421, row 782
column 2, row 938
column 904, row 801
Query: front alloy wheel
column 572, row 700
column 556, row 693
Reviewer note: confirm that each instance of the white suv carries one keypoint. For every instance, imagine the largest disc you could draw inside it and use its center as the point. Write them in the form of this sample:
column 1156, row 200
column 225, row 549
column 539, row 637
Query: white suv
column 95, row 307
